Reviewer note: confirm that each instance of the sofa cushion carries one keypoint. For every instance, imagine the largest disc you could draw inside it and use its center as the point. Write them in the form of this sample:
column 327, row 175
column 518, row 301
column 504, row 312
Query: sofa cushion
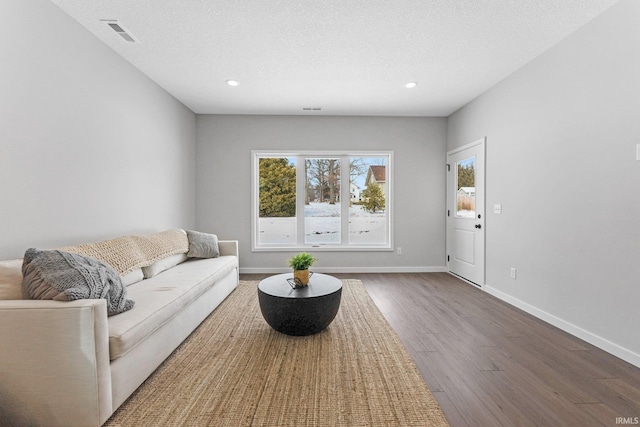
column 132, row 277
column 202, row 245
column 163, row 264
column 161, row 297
column 11, row 279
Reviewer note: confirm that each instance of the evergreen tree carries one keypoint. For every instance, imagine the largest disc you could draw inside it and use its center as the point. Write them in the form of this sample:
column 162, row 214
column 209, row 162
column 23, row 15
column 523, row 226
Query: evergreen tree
column 277, row 188
column 373, row 198
column 466, row 176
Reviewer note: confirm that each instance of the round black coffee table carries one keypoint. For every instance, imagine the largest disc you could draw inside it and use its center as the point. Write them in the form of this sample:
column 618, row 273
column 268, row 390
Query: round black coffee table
column 302, row 311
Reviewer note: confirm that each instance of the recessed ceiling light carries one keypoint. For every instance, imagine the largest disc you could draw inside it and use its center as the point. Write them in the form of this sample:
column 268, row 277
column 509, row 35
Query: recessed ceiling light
column 232, row 82
column 411, row 85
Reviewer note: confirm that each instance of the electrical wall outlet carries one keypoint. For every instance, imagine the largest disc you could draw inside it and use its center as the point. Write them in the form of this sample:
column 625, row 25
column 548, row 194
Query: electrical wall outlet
column 513, row 273
column 399, row 251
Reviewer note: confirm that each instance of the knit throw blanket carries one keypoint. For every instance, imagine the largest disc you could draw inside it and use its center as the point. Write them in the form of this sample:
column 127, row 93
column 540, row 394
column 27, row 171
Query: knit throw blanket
column 127, row 253
column 64, row 276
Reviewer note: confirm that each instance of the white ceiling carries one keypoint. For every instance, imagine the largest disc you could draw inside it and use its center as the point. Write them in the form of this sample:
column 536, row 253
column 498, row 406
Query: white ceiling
column 349, row 57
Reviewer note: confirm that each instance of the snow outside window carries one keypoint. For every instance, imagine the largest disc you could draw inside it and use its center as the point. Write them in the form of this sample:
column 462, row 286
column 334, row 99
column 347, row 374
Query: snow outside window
column 322, row 200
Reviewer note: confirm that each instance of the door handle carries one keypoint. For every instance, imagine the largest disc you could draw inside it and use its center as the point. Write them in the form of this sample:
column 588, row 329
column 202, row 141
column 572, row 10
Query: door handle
column 478, row 226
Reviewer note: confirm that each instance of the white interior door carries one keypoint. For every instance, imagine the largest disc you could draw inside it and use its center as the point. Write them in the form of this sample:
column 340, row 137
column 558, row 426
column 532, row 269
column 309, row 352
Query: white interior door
column 466, row 212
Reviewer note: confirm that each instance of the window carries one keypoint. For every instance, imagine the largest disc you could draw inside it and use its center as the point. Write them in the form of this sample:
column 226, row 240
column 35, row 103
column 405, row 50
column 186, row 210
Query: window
column 466, row 185
column 322, row 200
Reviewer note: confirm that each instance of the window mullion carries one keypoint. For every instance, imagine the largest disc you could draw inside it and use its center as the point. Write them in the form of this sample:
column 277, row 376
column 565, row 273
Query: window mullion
column 301, row 175
column 345, row 198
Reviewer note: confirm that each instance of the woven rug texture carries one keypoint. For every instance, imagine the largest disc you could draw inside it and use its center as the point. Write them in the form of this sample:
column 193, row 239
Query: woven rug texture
column 234, row 370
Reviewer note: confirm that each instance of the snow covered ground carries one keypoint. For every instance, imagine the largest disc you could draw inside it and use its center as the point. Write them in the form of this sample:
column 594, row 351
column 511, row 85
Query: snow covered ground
column 322, row 226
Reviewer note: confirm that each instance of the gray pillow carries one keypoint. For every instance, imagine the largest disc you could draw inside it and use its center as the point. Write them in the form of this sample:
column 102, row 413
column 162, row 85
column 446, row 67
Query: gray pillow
column 202, row 245
column 63, row 276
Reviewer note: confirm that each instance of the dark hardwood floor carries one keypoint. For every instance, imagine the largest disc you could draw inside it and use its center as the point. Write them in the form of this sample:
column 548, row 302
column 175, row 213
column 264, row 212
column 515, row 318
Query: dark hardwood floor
column 490, row 364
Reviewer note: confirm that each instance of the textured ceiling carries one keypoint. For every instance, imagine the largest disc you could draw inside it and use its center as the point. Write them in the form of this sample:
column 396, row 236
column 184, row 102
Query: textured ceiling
column 349, row 57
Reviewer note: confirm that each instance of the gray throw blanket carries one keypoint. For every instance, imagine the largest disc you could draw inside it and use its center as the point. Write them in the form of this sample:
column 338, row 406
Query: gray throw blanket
column 63, row 276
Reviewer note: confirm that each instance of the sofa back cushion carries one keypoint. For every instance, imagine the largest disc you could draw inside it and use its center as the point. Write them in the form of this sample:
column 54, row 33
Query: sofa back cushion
column 132, row 277
column 11, row 279
column 163, row 264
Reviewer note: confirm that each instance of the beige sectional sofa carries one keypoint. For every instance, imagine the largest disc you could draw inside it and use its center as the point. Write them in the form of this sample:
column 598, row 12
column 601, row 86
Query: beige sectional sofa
column 69, row 364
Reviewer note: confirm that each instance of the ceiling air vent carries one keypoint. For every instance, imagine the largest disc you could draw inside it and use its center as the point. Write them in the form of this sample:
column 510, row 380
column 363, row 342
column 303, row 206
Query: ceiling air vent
column 311, row 108
column 117, row 27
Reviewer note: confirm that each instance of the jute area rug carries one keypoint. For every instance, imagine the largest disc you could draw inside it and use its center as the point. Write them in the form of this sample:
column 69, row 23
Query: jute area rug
column 234, row 370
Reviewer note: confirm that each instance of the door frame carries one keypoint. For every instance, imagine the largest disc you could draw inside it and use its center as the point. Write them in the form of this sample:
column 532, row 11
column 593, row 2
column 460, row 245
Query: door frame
column 449, row 210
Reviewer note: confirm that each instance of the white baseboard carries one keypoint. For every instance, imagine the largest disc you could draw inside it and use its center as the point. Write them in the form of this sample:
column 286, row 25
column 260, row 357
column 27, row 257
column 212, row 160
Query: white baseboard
column 259, row 270
column 604, row 344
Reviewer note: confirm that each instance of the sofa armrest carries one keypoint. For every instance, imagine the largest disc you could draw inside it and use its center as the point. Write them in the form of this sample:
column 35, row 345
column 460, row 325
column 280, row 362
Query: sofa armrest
column 54, row 363
column 228, row 247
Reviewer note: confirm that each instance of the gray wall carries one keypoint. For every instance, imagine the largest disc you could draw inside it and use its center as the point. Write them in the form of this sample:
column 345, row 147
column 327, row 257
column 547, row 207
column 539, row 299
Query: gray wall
column 90, row 148
column 561, row 158
column 224, row 145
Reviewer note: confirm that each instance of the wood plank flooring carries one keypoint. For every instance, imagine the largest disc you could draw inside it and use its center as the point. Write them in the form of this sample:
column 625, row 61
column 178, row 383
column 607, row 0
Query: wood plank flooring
column 490, row 364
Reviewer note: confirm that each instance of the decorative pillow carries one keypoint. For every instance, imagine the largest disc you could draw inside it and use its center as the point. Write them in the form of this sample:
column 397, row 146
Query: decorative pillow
column 202, row 245
column 10, row 279
column 163, row 264
column 63, row 276
column 132, row 277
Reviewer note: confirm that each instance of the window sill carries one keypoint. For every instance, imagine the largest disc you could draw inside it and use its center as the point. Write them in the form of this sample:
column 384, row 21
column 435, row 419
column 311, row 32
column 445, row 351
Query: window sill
column 323, row 248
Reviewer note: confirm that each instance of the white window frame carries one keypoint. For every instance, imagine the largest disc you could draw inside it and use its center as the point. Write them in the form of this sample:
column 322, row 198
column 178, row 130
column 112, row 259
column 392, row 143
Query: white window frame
column 344, row 195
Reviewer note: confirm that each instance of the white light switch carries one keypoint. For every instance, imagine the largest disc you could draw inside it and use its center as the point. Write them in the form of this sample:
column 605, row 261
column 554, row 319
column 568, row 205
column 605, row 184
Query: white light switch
column 497, row 209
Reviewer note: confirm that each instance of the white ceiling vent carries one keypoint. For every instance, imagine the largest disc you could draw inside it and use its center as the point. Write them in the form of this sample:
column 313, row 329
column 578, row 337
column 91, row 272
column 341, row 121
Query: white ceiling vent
column 117, row 27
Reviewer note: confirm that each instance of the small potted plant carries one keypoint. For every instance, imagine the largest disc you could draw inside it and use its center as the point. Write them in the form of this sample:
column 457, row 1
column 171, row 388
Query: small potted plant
column 300, row 264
